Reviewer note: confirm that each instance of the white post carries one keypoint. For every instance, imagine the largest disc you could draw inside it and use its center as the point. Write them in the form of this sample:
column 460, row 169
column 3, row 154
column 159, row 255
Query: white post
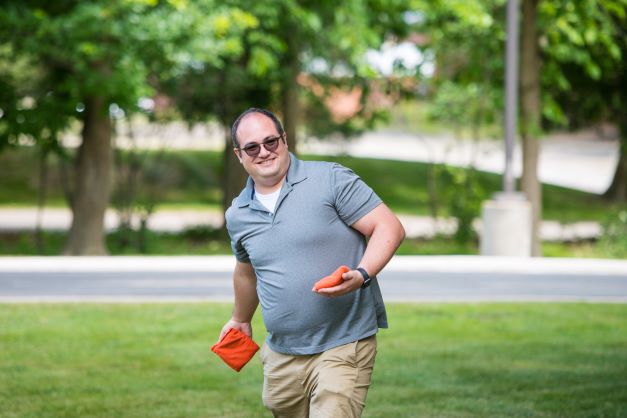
column 506, row 219
column 506, row 226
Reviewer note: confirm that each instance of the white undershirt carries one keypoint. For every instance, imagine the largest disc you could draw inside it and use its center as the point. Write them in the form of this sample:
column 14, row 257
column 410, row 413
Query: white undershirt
column 268, row 200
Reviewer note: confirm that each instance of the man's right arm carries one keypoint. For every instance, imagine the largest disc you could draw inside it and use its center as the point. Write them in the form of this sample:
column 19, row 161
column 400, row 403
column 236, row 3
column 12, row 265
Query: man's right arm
column 246, row 300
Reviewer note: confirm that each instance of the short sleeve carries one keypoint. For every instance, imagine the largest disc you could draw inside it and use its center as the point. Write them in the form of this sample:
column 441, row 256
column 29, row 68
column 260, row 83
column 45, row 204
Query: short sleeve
column 352, row 197
column 239, row 252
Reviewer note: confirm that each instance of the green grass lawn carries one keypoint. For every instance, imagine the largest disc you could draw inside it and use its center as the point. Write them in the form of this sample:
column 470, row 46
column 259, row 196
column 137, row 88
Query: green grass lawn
column 450, row 360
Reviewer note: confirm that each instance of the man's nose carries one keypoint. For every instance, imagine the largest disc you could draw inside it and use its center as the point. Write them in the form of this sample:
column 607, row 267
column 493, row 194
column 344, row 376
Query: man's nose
column 263, row 152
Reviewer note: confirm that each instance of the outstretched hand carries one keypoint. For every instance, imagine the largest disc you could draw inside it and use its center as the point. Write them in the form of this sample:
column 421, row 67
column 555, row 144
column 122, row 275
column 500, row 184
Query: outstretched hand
column 352, row 281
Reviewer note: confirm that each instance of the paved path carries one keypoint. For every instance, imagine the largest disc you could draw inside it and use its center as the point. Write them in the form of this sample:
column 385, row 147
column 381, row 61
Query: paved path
column 405, row 279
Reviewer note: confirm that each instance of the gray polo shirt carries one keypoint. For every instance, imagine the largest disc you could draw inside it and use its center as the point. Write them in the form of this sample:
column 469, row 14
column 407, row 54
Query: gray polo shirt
column 307, row 238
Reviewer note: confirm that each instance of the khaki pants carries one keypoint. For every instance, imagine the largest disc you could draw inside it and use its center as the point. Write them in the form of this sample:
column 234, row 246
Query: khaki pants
column 326, row 385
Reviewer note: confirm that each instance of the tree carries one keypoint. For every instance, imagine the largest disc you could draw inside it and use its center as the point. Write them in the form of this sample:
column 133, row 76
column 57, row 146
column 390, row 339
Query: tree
column 617, row 191
column 26, row 115
column 531, row 115
column 581, row 46
column 282, row 41
column 222, row 87
column 585, row 49
column 93, row 57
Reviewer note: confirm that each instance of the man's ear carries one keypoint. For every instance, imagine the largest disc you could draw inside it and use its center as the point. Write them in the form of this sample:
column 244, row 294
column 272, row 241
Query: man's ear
column 238, row 155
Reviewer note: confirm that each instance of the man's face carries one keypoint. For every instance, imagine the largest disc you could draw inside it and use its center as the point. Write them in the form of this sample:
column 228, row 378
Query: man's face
column 268, row 168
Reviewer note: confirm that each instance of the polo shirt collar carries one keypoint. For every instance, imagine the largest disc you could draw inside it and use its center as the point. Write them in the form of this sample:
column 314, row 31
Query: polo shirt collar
column 295, row 174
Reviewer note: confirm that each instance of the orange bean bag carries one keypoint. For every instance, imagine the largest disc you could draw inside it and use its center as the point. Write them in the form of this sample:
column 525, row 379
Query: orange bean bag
column 333, row 280
column 235, row 348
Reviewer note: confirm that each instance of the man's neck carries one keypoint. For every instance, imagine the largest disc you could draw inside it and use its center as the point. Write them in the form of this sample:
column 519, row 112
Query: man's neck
column 267, row 189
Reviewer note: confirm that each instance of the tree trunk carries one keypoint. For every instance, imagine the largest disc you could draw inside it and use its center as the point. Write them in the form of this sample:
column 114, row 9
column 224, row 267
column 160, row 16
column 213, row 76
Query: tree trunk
column 617, row 192
column 234, row 177
column 92, row 180
column 432, row 191
column 290, row 95
column 41, row 200
column 530, row 118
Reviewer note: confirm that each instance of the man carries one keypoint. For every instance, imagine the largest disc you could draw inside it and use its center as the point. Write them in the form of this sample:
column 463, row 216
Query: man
column 294, row 223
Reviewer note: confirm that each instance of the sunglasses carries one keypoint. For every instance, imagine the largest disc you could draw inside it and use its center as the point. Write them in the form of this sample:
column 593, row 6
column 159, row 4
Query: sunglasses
column 271, row 144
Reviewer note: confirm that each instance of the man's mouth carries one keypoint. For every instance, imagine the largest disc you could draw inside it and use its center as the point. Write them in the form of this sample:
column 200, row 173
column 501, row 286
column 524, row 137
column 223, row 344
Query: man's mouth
column 266, row 162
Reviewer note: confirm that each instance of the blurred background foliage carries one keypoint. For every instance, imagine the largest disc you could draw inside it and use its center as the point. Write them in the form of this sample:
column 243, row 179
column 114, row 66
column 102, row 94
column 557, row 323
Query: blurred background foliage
column 88, row 67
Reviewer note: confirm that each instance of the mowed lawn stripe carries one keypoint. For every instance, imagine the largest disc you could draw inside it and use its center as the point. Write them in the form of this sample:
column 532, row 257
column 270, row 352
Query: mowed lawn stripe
column 436, row 360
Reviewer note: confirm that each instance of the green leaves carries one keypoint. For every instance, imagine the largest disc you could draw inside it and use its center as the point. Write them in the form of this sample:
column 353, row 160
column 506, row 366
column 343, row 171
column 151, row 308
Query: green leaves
column 119, row 50
column 586, row 33
column 467, row 40
column 583, row 46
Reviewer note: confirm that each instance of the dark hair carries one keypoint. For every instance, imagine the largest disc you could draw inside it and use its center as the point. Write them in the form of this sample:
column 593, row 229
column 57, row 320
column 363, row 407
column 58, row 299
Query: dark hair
column 273, row 118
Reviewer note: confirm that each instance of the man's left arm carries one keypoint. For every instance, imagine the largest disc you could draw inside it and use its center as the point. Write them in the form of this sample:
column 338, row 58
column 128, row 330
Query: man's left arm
column 385, row 233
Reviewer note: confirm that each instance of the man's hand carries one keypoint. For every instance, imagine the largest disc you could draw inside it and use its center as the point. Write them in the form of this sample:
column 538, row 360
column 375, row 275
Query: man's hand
column 245, row 327
column 352, row 281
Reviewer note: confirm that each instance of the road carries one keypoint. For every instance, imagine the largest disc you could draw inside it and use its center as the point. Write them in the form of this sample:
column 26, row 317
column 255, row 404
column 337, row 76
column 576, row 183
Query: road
column 406, row 279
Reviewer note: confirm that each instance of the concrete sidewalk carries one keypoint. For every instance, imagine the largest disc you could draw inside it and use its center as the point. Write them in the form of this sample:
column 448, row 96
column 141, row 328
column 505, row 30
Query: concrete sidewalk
column 399, row 263
column 56, row 219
